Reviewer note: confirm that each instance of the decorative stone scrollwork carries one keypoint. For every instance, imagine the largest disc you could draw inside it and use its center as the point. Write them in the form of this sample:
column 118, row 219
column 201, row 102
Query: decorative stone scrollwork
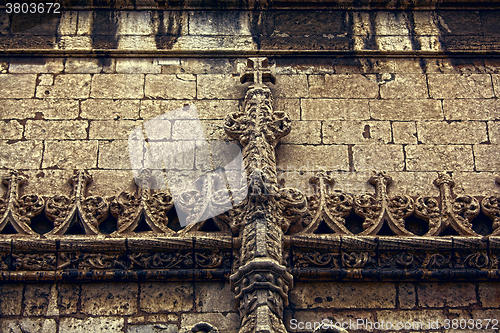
column 456, row 212
column 78, row 209
column 17, row 211
column 491, row 208
column 327, row 206
column 376, row 209
column 152, row 207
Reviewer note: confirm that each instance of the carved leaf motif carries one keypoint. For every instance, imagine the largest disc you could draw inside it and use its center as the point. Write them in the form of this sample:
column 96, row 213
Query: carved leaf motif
column 101, row 261
column 465, row 208
column 95, row 209
column 16, row 210
column 478, row 260
column 58, row 208
column 34, row 261
column 316, row 258
column 293, row 205
column 401, row 259
column 211, row 260
column 357, row 260
column 491, row 208
column 163, row 260
column 437, row 260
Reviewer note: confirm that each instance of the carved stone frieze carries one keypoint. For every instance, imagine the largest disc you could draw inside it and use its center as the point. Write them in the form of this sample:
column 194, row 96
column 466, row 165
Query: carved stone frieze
column 455, row 212
column 77, row 210
column 327, row 206
column 376, row 209
column 150, row 207
column 17, row 211
column 490, row 206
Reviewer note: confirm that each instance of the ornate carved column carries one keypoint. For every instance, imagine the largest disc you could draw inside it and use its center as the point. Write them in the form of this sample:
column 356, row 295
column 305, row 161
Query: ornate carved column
column 261, row 282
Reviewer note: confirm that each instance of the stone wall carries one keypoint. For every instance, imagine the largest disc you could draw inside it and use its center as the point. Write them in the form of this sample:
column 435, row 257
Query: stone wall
column 419, row 97
column 409, row 117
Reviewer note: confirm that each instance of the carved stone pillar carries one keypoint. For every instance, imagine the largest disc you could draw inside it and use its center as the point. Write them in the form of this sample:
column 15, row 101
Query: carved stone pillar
column 261, row 282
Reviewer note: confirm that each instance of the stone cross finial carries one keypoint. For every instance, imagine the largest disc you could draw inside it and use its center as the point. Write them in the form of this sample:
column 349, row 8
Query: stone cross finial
column 258, row 71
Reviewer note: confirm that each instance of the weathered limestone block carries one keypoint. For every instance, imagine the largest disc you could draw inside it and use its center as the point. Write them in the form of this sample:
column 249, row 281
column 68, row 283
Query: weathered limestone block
column 17, row 86
column 407, row 296
column 404, row 132
column 489, row 295
column 187, row 130
column 170, row 155
column 439, row 158
column 177, row 86
column 496, row 84
column 70, row 154
column 111, row 182
column 21, row 154
column 66, row 86
column 494, row 132
column 412, row 184
column 406, row 110
column 153, row 328
column 460, row 86
column 290, row 86
column 206, row 109
column 11, row 296
column 206, row 43
column 68, row 297
column 471, row 109
column 343, row 295
column 45, row 79
column 220, row 86
column 335, row 109
column 116, row 155
column 105, row 299
column 209, row 65
column 36, row 299
column 32, row 325
column 89, row 65
column 220, row 23
column 166, row 297
column 48, row 182
column 343, row 86
column 310, row 158
column 29, row 108
column 304, row 132
column 92, row 324
column 487, row 157
column 213, row 297
column 356, row 132
column 65, row 130
column 446, row 294
column 140, row 65
column 475, row 183
column 378, row 157
column 118, row 86
column 433, row 132
column 289, row 105
column 11, row 130
column 113, row 129
column 405, row 86
column 228, row 323
column 110, row 109
column 37, row 65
